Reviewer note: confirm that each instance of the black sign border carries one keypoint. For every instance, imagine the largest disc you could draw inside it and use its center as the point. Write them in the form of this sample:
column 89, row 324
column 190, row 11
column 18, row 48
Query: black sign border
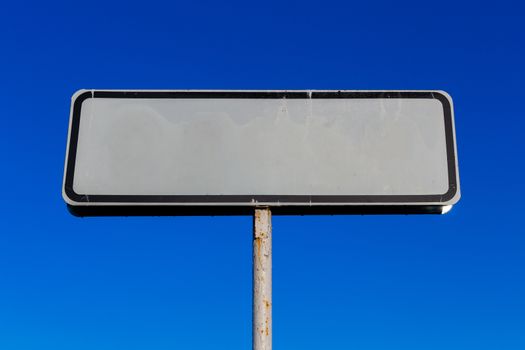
column 382, row 204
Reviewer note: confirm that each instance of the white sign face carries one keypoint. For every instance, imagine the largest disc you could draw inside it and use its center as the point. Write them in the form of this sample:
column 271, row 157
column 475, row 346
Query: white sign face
column 297, row 151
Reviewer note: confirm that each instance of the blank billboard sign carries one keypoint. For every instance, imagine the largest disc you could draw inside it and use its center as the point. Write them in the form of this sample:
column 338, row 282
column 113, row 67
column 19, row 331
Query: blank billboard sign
column 214, row 152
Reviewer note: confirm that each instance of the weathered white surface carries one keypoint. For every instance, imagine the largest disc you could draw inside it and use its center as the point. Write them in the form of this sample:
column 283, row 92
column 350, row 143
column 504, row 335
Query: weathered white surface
column 262, row 280
column 261, row 147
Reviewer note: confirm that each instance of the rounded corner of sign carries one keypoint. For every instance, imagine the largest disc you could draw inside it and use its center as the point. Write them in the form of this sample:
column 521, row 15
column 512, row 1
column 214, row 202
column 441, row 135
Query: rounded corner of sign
column 66, row 198
column 81, row 95
column 442, row 96
column 448, row 205
column 69, row 197
column 453, row 198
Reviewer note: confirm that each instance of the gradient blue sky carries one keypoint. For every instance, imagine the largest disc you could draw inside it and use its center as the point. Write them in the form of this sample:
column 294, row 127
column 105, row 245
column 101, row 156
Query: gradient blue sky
column 349, row 282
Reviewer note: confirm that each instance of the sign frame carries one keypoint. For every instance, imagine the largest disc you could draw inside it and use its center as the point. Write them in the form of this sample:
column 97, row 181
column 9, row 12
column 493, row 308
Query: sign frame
column 161, row 205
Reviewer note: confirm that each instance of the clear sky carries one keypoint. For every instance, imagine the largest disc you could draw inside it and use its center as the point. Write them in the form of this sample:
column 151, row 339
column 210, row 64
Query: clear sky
column 348, row 282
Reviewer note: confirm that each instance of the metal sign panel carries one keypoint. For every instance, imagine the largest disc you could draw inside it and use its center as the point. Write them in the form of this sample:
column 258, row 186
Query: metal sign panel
column 225, row 152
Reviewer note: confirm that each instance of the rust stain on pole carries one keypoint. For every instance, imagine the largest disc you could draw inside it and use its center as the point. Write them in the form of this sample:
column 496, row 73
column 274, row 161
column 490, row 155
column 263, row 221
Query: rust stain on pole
column 262, row 279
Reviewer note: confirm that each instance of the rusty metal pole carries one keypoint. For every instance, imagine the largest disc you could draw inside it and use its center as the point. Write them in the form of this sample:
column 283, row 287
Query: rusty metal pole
column 262, row 279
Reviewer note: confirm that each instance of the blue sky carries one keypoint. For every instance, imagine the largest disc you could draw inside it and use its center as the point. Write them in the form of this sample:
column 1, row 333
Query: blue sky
column 347, row 282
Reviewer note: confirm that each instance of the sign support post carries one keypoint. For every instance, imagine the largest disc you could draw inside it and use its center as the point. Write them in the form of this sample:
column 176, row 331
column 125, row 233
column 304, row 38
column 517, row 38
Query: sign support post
column 262, row 279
